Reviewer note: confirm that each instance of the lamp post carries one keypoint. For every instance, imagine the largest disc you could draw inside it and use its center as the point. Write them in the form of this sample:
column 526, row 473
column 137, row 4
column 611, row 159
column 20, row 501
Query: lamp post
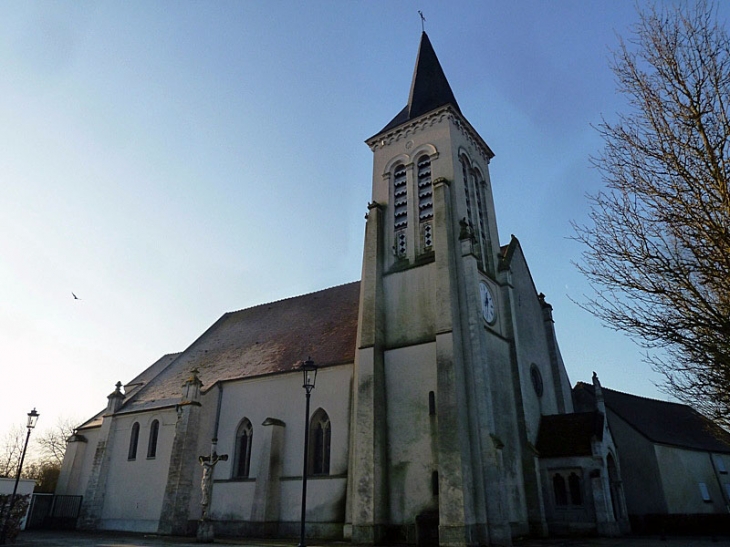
column 32, row 420
column 309, row 372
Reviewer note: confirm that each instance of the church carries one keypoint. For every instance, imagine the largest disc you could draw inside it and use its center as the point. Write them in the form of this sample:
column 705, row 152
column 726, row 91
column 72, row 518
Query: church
column 441, row 414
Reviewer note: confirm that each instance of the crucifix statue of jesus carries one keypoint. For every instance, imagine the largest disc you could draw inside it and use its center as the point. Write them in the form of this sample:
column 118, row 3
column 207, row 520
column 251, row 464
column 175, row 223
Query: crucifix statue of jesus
column 206, row 483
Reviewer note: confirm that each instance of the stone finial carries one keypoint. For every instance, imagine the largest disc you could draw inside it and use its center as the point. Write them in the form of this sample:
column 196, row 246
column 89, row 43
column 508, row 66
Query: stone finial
column 191, row 387
column 115, row 398
column 547, row 309
column 598, row 390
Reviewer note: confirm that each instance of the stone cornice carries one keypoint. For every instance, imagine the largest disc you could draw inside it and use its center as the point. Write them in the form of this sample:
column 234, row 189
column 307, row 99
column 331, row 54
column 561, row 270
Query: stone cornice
column 413, row 127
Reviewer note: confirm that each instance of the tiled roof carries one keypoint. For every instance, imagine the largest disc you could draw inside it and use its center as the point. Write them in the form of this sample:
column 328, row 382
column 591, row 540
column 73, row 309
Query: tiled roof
column 661, row 421
column 564, row 435
column 262, row 340
column 429, row 88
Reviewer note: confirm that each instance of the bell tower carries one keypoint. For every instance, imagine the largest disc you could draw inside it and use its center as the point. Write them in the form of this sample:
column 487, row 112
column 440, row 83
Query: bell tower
column 433, row 389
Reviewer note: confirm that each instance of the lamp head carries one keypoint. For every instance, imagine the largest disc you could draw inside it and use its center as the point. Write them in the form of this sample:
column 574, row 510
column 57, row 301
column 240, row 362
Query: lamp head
column 309, row 372
column 32, row 418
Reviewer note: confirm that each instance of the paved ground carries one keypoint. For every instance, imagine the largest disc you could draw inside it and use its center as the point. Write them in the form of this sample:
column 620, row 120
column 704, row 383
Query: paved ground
column 78, row 539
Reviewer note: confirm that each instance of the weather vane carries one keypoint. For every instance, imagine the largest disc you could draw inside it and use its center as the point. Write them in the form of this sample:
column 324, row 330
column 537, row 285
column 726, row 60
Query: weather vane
column 423, row 21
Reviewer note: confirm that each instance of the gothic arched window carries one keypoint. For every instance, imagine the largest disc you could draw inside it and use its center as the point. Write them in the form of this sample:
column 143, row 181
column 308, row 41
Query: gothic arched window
column 242, row 462
column 133, row 442
column 152, row 443
column 574, row 487
column 319, row 444
column 559, row 490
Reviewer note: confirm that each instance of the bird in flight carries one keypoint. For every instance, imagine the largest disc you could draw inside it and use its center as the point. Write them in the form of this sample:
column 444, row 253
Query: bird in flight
column 75, row 297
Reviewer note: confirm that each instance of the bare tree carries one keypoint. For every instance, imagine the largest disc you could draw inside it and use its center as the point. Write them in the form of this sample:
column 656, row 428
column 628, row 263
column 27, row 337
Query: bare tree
column 51, row 442
column 657, row 250
column 44, row 455
column 11, row 448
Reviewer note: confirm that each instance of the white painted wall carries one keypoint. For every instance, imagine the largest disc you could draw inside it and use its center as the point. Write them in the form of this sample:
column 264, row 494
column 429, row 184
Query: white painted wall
column 283, row 398
column 410, row 374
column 135, row 488
column 682, row 471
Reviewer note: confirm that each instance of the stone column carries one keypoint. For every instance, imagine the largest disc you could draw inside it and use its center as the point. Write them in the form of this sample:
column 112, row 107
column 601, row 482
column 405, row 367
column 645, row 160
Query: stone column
column 458, row 488
column 93, row 504
column 267, row 495
column 367, row 483
column 183, row 461
column 72, row 460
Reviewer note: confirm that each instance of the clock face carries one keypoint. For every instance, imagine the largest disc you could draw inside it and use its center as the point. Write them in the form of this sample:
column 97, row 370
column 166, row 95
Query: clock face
column 488, row 310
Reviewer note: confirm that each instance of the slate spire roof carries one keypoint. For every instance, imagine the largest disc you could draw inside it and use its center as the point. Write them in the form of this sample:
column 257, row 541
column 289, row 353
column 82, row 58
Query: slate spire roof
column 429, row 88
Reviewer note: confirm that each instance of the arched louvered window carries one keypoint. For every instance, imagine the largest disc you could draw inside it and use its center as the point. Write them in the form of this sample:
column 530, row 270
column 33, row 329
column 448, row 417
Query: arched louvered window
column 425, row 201
column 400, row 208
column 133, row 442
column 152, row 442
column 242, row 462
column 425, row 190
column 319, row 444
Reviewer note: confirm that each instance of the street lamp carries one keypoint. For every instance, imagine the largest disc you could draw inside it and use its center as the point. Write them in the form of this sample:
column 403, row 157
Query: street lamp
column 32, row 420
column 309, row 372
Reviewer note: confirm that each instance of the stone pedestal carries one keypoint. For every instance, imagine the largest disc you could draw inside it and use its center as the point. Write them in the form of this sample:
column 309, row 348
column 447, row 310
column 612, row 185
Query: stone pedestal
column 205, row 532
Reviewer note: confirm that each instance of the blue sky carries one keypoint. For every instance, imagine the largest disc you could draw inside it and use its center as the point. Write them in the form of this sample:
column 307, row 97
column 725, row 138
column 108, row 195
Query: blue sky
column 172, row 161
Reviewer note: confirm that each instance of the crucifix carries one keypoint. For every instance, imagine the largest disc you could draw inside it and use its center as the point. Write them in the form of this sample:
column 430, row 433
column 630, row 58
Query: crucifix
column 206, row 483
column 423, row 21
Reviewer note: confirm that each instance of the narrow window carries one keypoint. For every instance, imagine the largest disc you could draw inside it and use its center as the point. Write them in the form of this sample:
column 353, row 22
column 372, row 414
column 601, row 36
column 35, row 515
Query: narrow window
column 536, row 378
column 242, row 463
column 319, row 444
column 152, row 443
column 465, row 176
column 559, row 490
column 574, row 486
column 133, row 441
column 435, row 483
column 480, row 202
column 431, row 403
column 400, row 209
column 480, row 189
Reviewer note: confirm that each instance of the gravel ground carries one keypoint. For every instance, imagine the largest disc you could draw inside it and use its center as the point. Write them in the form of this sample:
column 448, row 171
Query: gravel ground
column 116, row 539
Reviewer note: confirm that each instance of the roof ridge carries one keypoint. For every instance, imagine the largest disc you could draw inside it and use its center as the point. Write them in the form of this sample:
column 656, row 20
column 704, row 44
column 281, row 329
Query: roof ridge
column 255, row 306
column 647, row 398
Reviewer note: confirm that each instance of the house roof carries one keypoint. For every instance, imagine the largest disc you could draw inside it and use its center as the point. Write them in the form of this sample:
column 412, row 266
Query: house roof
column 661, row 421
column 429, row 87
column 266, row 339
column 564, row 435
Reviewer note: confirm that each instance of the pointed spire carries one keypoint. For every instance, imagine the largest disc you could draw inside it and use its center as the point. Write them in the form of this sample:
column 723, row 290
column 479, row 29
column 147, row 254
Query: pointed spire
column 429, row 88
